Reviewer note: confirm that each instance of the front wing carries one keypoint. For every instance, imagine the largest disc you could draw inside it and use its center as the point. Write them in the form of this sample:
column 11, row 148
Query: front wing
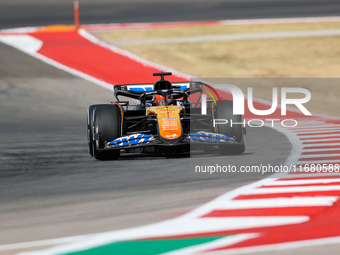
column 146, row 140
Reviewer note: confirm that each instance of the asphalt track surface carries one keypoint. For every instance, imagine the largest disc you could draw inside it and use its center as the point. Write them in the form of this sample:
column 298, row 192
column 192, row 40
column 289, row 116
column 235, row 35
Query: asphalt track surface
column 50, row 187
column 18, row 13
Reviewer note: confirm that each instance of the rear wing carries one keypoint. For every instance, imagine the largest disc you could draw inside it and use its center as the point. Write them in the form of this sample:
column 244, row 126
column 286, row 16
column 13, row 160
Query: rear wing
column 136, row 90
column 149, row 87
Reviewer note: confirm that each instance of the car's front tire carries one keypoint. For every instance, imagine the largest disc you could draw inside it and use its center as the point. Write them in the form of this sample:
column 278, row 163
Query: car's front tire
column 90, row 128
column 106, row 123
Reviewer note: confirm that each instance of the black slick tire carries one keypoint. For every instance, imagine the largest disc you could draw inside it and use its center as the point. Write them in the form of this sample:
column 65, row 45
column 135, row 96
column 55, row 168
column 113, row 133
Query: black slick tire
column 106, row 122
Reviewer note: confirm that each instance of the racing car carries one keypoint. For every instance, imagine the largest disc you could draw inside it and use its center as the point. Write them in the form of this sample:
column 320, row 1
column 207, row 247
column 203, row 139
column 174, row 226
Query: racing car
column 165, row 118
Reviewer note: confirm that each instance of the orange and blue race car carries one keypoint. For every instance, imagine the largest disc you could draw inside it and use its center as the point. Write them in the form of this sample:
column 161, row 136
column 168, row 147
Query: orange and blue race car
column 162, row 120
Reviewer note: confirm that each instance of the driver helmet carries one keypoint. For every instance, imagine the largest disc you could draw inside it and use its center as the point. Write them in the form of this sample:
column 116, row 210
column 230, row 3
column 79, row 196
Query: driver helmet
column 158, row 100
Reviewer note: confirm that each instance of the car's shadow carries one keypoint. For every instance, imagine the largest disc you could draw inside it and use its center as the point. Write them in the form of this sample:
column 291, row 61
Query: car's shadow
column 192, row 154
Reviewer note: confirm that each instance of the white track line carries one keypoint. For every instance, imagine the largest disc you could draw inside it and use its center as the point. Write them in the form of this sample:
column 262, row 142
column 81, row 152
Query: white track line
column 281, row 20
column 320, row 150
column 297, row 182
column 321, row 144
column 317, row 127
column 219, row 243
column 337, row 161
column 277, row 247
column 319, row 155
column 332, row 128
column 25, row 43
column 321, row 140
column 232, row 37
column 294, row 189
column 315, row 136
column 20, row 30
column 115, row 26
column 278, row 202
column 48, row 242
column 321, row 131
column 311, row 175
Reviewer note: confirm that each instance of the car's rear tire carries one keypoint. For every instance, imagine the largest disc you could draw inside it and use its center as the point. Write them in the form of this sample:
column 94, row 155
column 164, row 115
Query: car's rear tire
column 106, row 122
column 225, row 111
